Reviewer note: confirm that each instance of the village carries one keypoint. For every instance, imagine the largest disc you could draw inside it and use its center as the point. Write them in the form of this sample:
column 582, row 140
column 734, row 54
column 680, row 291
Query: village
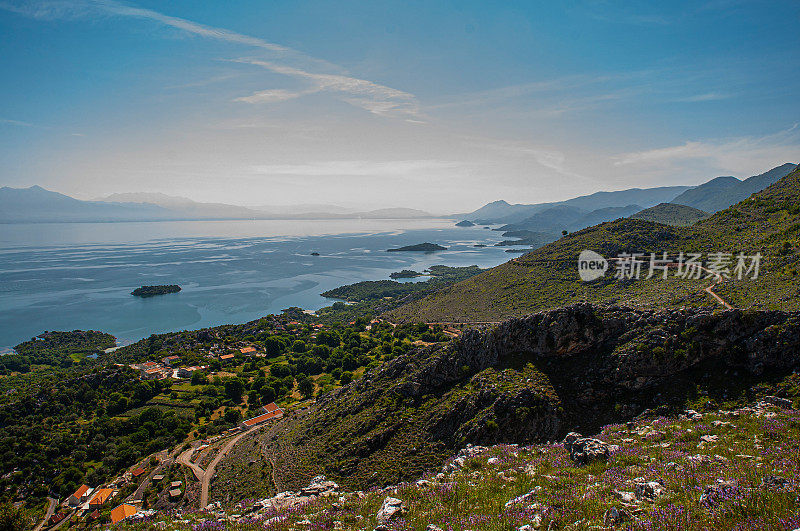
column 120, row 499
column 231, row 381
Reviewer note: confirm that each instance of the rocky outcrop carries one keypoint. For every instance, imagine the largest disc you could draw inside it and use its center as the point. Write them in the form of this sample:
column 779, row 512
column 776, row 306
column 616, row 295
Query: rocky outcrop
column 533, row 379
column 585, row 450
column 390, row 509
column 319, row 487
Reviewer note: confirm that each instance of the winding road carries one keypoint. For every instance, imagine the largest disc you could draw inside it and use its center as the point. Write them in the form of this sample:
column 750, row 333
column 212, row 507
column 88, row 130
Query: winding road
column 185, row 458
column 51, row 508
column 209, row 474
column 205, row 476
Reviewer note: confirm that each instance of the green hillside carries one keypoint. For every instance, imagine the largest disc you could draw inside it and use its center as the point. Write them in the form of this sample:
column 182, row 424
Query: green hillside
column 767, row 223
column 672, row 214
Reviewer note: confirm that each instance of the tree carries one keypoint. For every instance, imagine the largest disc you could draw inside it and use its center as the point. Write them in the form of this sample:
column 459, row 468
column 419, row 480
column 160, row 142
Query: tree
column 346, row 378
column 299, row 346
column 280, row 370
column 329, row 338
column 273, row 346
column 234, row 389
column 232, row 415
column 199, row 378
column 306, row 387
column 267, row 394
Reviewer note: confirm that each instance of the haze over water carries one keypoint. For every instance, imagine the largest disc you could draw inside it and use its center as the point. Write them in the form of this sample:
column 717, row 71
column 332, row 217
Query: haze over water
column 66, row 276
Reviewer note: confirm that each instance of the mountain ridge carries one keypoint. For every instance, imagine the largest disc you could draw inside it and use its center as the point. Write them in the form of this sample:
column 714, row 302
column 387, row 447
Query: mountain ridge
column 722, row 192
column 39, row 205
column 768, row 223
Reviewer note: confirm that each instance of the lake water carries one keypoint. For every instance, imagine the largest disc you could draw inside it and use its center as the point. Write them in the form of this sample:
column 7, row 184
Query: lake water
column 71, row 276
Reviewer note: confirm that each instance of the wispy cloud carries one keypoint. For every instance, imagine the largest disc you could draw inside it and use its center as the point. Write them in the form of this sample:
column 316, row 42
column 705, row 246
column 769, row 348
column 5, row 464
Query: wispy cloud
column 373, row 97
column 550, row 158
column 708, row 96
column 18, row 123
column 731, row 155
column 333, row 168
column 273, row 95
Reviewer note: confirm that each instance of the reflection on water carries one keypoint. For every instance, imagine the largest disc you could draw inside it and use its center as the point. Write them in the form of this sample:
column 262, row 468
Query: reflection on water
column 80, row 275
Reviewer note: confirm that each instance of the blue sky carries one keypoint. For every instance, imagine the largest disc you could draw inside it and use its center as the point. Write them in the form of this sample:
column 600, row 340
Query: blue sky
column 446, row 105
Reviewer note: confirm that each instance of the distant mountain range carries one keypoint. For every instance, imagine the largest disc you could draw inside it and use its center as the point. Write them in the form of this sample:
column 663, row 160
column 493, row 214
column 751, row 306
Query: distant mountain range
column 585, row 211
column 501, row 212
column 548, row 277
column 722, row 192
column 37, row 205
column 567, row 217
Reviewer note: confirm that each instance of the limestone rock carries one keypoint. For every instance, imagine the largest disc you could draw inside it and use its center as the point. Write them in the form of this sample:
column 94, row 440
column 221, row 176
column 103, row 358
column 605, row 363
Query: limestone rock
column 584, row 450
column 391, row 508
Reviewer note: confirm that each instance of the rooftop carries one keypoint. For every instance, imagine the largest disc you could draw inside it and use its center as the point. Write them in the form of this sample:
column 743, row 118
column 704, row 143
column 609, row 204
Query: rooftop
column 262, row 418
column 121, row 512
column 101, row 496
column 82, row 490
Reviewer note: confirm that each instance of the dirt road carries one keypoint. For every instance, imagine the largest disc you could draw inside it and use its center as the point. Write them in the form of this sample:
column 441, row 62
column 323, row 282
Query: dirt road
column 205, row 483
column 185, row 458
column 164, row 460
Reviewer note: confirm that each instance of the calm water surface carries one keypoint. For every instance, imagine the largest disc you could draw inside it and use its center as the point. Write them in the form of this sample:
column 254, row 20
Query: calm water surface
column 79, row 275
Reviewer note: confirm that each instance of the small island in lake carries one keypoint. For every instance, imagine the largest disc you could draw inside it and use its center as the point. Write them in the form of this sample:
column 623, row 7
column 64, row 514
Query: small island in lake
column 479, row 245
column 150, row 291
column 315, row 253
column 405, row 273
column 424, row 247
column 465, row 223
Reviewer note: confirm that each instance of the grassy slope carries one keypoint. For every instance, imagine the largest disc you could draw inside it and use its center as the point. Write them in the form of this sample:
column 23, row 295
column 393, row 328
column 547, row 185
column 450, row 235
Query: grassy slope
column 750, row 447
column 547, row 277
column 672, row 214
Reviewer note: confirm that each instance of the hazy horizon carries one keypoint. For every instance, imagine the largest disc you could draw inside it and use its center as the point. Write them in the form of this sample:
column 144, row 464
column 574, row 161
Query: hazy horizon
column 434, row 107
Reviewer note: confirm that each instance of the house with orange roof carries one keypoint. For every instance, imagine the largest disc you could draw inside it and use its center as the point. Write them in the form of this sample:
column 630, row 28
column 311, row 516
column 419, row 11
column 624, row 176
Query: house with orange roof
column 121, row 512
column 247, row 350
column 80, row 496
column 271, row 407
column 138, row 471
column 261, row 419
column 226, row 357
column 100, row 498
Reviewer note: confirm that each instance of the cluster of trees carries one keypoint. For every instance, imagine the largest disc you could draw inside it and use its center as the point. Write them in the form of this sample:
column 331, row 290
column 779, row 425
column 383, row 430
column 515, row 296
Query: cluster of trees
column 55, row 349
column 63, row 427
column 84, row 428
column 379, row 289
